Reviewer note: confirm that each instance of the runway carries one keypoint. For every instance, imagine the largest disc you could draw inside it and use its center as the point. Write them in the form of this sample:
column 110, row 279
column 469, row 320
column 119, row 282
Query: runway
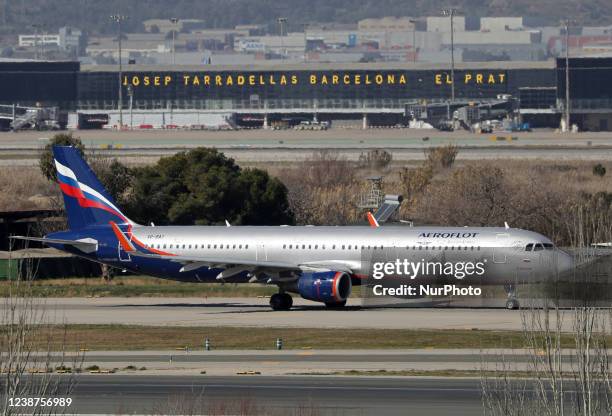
column 380, row 396
column 260, row 146
column 255, row 312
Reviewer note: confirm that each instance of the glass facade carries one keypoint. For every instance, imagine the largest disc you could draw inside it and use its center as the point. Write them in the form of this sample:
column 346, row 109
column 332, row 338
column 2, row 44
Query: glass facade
column 225, row 90
column 590, row 83
column 65, row 85
column 45, row 83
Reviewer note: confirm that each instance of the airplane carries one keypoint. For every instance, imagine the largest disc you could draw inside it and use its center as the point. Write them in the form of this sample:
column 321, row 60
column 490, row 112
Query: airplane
column 319, row 263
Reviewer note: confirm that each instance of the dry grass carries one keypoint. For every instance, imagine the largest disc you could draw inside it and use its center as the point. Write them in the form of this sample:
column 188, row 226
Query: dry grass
column 127, row 337
column 419, row 373
column 129, row 286
column 23, row 188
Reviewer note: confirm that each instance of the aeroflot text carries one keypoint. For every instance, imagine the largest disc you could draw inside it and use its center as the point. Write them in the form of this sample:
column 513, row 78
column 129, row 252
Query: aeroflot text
column 427, row 268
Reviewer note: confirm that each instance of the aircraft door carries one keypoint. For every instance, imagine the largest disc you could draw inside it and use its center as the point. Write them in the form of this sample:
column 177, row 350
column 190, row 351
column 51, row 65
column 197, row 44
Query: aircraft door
column 261, row 254
column 500, row 249
column 122, row 254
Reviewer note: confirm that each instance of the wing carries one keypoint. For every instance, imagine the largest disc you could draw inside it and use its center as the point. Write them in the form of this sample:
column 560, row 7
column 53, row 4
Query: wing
column 86, row 245
column 234, row 266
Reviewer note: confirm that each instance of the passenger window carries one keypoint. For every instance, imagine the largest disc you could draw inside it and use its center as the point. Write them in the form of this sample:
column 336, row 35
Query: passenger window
column 316, row 246
column 343, row 247
column 529, row 247
column 538, row 247
column 240, row 246
column 247, row 246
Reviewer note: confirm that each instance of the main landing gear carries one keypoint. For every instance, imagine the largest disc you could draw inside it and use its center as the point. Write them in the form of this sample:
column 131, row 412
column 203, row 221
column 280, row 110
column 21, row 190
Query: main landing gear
column 281, row 301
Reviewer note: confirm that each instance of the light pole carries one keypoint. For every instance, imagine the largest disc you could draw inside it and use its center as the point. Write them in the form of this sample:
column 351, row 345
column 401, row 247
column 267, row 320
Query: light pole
column 414, row 49
column 305, row 41
column 566, row 26
column 451, row 13
column 118, row 18
column 174, row 21
column 36, row 41
column 281, row 22
column 130, row 92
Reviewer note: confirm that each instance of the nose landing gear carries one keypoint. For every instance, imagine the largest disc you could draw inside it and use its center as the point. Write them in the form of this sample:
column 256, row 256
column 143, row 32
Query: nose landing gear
column 512, row 303
column 281, row 301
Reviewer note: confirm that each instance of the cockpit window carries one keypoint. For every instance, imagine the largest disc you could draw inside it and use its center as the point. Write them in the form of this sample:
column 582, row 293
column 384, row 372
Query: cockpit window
column 538, row 247
column 529, row 247
column 548, row 246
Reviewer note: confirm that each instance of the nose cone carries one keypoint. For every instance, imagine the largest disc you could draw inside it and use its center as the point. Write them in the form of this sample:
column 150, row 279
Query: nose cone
column 565, row 262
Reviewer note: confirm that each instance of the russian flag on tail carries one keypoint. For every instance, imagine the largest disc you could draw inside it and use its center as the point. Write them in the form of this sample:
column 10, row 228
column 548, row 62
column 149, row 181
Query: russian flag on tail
column 87, row 202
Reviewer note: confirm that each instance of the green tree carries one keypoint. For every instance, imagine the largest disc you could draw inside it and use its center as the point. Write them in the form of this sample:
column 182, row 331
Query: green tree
column 46, row 164
column 204, row 187
column 114, row 175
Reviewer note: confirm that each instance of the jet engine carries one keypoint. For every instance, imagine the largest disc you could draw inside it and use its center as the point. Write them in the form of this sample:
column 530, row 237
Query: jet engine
column 332, row 288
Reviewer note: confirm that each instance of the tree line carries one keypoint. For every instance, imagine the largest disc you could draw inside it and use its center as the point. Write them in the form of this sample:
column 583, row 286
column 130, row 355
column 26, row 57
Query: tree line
column 93, row 15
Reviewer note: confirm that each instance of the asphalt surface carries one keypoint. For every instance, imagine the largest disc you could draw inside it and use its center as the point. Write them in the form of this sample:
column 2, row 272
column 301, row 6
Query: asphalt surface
column 95, row 394
column 259, row 146
column 255, row 312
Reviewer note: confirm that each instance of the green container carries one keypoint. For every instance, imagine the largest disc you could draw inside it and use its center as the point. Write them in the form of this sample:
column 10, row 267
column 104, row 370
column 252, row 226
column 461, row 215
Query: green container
column 8, row 268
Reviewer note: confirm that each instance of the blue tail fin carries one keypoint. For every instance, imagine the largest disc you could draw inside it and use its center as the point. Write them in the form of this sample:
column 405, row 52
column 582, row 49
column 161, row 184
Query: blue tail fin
column 87, row 202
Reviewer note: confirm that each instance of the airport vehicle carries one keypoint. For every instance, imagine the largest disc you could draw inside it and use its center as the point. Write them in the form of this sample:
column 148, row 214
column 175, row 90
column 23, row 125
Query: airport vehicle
column 318, row 263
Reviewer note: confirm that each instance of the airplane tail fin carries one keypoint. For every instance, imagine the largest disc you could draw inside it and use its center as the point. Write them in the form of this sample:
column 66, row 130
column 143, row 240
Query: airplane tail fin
column 87, row 202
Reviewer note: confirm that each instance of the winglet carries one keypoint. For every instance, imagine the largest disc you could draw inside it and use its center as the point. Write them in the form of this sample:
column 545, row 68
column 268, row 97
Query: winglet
column 123, row 240
column 372, row 220
column 506, row 226
column 227, row 224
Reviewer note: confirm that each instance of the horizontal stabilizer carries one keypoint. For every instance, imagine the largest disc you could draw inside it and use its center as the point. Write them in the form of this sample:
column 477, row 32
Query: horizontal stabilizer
column 86, row 245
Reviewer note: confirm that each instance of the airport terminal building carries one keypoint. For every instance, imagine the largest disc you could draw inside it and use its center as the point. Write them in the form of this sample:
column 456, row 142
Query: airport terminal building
column 378, row 93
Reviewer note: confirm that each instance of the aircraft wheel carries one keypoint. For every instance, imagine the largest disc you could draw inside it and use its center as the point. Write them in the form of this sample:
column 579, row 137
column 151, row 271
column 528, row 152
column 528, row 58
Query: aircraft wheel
column 512, row 304
column 335, row 305
column 281, row 301
column 288, row 300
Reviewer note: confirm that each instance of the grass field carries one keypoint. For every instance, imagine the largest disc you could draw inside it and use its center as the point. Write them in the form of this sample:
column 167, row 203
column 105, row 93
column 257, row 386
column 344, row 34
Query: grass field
column 127, row 337
column 419, row 373
column 128, row 286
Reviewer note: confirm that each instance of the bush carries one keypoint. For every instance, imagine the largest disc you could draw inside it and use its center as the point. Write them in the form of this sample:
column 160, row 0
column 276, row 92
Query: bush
column 599, row 170
column 376, row 159
column 47, row 166
column 442, row 156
